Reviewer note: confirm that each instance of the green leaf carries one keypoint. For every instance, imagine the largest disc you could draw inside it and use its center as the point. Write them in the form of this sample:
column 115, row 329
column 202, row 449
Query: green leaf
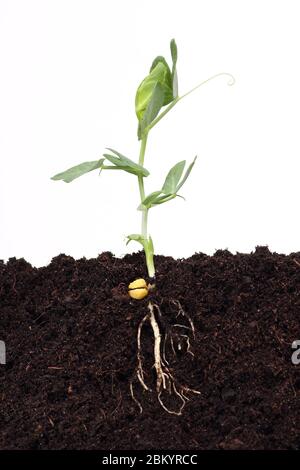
column 154, row 199
column 167, row 71
column 122, row 168
column 125, row 164
column 164, row 198
column 187, row 173
column 173, row 48
column 122, row 157
column 159, row 73
column 158, row 89
column 148, row 201
column 170, row 188
column 173, row 177
column 154, row 106
column 136, row 237
column 130, row 163
column 78, row 170
column 164, row 77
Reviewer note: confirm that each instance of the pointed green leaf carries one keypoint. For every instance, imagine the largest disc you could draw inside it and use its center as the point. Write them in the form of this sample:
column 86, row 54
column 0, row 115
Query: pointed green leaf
column 126, row 164
column 173, row 48
column 173, row 178
column 148, row 201
column 163, row 198
column 114, row 160
column 78, row 170
column 122, row 168
column 136, row 237
column 154, row 106
column 167, row 70
column 164, row 77
column 131, row 163
column 154, row 199
column 120, row 155
column 187, row 173
column 159, row 73
column 119, row 165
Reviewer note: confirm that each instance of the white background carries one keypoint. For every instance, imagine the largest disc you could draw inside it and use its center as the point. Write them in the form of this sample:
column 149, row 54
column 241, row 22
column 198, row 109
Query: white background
column 68, row 74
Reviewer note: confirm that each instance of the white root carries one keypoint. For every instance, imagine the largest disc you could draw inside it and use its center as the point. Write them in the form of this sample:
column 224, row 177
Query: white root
column 164, row 349
column 188, row 345
column 184, row 314
column 135, row 399
column 165, row 381
column 140, row 371
column 160, row 374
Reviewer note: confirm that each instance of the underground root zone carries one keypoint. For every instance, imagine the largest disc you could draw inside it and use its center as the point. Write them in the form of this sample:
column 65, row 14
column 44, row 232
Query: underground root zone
column 71, row 332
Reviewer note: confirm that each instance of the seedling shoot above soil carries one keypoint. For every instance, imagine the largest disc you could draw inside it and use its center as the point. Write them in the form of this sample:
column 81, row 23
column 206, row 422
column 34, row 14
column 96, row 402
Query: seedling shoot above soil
column 155, row 97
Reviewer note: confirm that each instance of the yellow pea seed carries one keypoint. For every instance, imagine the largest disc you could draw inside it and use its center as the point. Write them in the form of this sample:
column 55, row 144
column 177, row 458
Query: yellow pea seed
column 138, row 294
column 137, row 284
column 138, row 289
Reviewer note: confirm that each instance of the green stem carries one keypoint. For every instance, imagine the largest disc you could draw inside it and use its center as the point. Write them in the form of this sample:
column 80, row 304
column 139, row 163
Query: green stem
column 145, row 223
column 141, row 162
column 147, row 241
column 147, row 244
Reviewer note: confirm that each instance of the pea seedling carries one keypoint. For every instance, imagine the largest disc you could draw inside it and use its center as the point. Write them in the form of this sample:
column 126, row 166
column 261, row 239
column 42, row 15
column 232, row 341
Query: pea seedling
column 156, row 95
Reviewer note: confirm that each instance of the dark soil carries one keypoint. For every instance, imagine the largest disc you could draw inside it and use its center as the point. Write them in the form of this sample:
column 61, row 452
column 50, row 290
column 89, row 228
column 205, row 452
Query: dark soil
column 70, row 332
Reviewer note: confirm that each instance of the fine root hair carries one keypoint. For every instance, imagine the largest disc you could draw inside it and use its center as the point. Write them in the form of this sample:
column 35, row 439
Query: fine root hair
column 165, row 379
